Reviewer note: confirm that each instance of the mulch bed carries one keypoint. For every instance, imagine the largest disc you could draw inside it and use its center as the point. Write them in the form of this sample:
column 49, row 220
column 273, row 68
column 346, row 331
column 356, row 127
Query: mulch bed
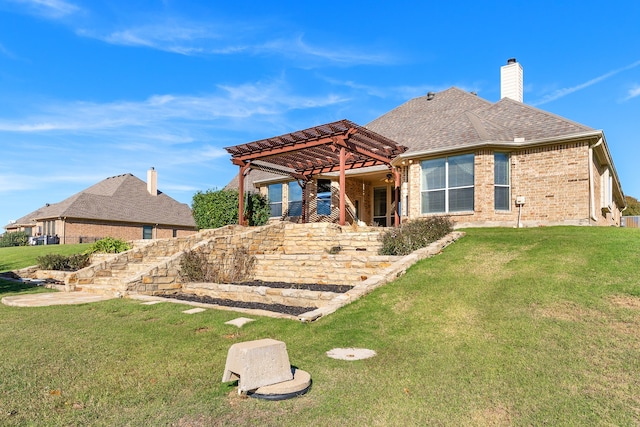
column 277, row 308
column 339, row 289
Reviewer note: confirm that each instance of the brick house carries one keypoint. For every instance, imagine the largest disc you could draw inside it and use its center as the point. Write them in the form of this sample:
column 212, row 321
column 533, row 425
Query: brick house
column 122, row 206
column 447, row 153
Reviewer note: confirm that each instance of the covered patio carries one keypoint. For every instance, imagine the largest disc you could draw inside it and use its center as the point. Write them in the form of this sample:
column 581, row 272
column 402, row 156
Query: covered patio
column 331, row 148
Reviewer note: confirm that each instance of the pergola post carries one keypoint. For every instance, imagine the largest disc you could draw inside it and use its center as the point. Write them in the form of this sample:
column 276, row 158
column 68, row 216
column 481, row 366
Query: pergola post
column 244, row 167
column 396, row 190
column 343, row 180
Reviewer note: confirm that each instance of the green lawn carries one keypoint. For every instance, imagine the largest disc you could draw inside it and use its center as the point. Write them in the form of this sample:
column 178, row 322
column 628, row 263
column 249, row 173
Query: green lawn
column 16, row 257
column 523, row 327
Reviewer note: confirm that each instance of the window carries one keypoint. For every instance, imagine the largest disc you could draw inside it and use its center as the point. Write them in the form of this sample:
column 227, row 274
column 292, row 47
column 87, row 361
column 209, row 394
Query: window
column 295, row 199
column 447, row 184
column 49, row 228
column 175, row 233
column 324, row 197
column 502, row 184
column 275, row 199
column 147, row 232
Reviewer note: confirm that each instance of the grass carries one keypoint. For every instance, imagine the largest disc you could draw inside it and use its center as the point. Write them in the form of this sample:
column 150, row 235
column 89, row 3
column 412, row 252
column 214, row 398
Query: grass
column 505, row 327
column 16, row 257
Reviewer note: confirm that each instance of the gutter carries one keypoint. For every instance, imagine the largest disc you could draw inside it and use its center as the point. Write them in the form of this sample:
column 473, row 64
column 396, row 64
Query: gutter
column 500, row 144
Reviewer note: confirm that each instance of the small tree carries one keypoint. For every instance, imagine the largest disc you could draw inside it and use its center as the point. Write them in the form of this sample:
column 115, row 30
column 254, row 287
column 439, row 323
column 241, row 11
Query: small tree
column 217, row 208
column 633, row 206
column 16, row 238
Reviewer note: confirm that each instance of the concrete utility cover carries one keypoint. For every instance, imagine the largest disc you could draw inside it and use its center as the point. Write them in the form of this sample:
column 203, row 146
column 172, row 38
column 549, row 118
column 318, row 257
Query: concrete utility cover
column 195, row 310
column 350, row 353
column 239, row 322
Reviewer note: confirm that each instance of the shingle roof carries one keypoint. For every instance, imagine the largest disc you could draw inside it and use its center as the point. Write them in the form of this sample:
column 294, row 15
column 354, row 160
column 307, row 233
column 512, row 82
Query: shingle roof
column 455, row 118
column 119, row 198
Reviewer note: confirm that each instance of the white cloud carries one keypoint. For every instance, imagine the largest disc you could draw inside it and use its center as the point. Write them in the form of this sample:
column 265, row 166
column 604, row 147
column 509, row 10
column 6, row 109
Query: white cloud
column 52, row 9
column 170, row 119
column 566, row 91
column 633, row 92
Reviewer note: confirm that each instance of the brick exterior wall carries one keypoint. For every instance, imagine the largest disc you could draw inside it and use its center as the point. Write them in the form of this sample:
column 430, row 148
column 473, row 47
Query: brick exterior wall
column 74, row 231
column 553, row 179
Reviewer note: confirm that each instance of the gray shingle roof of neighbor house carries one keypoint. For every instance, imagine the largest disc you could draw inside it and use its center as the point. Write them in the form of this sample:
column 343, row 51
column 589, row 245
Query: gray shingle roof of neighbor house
column 122, row 198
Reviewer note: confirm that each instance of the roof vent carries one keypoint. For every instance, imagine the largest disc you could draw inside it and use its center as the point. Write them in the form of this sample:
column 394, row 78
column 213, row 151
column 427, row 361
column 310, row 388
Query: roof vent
column 430, row 96
column 474, row 93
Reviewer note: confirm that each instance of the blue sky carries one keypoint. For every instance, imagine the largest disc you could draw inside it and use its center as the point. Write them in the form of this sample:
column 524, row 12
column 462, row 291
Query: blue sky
column 92, row 89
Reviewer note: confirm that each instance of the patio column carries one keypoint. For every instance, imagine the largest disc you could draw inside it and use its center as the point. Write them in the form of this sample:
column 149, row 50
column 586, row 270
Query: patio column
column 343, row 157
column 396, row 190
column 244, row 167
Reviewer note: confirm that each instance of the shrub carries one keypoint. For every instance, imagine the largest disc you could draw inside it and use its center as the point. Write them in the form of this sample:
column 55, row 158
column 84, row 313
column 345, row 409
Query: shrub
column 230, row 267
column 217, row 208
column 16, row 238
column 414, row 235
column 109, row 245
column 63, row 263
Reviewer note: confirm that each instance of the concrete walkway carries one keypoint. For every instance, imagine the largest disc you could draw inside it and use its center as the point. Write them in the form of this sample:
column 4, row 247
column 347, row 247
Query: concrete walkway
column 53, row 298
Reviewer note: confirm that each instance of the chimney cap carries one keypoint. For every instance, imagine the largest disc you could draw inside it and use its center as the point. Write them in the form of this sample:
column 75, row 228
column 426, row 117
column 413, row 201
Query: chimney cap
column 511, row 61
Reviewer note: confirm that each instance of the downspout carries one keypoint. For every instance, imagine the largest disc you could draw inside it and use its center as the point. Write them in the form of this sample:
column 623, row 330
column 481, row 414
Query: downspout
column 592, row 196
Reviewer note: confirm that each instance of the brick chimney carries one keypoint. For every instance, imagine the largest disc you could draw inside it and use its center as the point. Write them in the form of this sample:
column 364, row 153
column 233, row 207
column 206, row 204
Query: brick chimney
column 511, row 80
column 152, row 182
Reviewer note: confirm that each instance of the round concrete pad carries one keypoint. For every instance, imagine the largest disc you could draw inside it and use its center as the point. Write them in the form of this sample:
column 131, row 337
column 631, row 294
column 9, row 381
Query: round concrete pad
column 298, row 386
column 53, row 298
column 350, row 353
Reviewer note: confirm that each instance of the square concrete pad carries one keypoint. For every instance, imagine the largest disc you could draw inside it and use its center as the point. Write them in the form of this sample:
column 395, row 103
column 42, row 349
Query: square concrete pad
column 195, row 310
column 239, row 322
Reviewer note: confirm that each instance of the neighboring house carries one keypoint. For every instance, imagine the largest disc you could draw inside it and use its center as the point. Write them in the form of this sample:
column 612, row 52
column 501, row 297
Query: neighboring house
column 446, row 153
column 121, row 206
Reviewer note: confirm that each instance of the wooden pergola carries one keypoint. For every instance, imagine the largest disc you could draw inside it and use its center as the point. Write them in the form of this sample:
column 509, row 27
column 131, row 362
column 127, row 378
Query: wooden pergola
column 332, row 147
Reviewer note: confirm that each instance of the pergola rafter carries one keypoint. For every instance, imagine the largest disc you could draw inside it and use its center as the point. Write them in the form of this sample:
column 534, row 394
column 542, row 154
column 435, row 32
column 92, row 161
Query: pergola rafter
column 332, row 147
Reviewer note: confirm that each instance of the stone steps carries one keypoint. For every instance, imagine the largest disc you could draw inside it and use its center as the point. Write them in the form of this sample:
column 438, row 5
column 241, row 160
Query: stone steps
column 343, row 269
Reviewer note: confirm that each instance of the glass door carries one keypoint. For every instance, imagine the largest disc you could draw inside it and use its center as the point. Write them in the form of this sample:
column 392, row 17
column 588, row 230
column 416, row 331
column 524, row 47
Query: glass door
column 380, row 206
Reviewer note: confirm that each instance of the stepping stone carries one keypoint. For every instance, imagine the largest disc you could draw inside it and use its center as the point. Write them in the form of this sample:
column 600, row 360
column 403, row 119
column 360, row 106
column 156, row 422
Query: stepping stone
column 239, row 322
column 194, row 310
column 152, row 302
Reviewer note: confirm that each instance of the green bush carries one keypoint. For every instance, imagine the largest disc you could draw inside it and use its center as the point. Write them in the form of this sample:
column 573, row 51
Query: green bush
column 109, row 245
column 16, row 238
column 217, row 208
column 414, row 235
column 63, row 263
